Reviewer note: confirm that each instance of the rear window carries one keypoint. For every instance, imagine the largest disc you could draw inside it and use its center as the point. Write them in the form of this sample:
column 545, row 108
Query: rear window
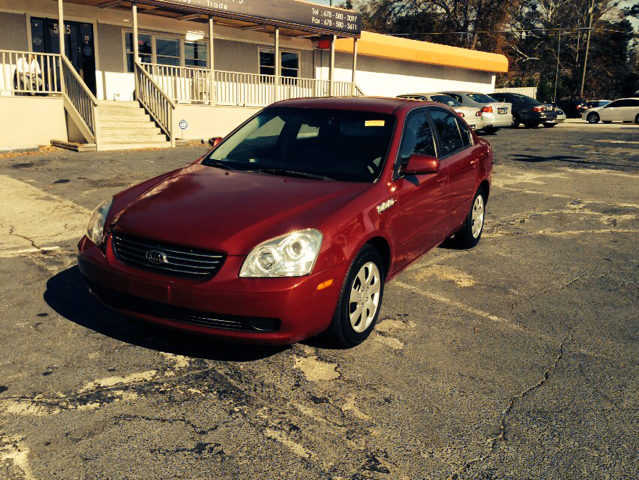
column 524, row 99
column 481, row 98
column 446, row 100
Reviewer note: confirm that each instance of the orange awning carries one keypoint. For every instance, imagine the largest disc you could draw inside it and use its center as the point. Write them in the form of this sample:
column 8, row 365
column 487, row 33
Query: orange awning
column 385, row 46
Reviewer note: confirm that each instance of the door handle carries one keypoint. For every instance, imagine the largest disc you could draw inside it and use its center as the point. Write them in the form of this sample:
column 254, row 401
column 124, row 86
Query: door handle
column 475, row 161
column 442, row 181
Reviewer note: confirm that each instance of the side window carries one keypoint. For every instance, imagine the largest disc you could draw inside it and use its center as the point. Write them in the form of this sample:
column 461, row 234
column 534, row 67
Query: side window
column 417, row 138
column 467, row 138
column 450, row 139
column 618, row 103
column 456, row 97
column 633, row 103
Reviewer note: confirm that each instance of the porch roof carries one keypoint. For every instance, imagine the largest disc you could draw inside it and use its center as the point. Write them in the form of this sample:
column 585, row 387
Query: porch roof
column 294, row 18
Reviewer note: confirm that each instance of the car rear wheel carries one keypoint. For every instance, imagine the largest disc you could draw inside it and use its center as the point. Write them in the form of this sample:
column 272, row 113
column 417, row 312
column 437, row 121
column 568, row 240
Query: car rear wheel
column 516, row 121
column 470, row 233
column 593, row 117
column 360, row 300
column 637, row 119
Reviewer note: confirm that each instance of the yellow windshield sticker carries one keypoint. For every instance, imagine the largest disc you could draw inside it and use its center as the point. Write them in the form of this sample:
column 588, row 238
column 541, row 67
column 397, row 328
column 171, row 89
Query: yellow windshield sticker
column 375, row 123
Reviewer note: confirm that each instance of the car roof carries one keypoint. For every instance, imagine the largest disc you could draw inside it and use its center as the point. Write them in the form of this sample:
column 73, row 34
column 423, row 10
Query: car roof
column 366, row 104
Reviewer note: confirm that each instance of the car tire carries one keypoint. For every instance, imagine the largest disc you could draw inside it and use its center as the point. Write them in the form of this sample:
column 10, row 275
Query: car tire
column 593, row 117
column 637, row 119
column 363, row 290
column 471, row 231
column 516, row 121
column 531, row 124
column 549, row 125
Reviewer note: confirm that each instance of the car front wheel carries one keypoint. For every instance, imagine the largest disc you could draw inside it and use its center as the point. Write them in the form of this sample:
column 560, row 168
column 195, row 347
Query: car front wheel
column 470, row 233
column 360, row 300
column 593, row 117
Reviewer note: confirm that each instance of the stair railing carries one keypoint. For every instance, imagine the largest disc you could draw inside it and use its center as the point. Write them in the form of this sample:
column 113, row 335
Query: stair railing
column 79, row 101
column 154, row 101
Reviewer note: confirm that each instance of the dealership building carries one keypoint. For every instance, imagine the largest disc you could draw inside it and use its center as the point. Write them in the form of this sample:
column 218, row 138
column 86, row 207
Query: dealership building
column 198, row 67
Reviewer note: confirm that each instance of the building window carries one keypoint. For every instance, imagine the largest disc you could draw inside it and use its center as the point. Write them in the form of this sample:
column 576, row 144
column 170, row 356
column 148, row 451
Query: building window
column 195, row 54
column 145, row 47
column 167, row 51
column 289, row 63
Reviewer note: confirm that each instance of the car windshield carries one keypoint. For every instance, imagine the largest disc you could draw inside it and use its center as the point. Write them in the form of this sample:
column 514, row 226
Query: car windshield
column 447, row 100
column 314, row 143
column 481, row 98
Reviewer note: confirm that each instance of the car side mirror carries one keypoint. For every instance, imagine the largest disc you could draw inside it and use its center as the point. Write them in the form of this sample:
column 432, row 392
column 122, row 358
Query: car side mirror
column 421, row 164
column 215, row 141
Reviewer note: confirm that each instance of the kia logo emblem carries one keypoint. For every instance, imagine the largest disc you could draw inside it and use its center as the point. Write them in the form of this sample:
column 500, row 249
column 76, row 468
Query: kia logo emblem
column 157, row 257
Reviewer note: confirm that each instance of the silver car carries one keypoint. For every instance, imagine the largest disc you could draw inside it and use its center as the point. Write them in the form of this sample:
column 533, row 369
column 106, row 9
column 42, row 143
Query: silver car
column 494, row 114
column 470, row 114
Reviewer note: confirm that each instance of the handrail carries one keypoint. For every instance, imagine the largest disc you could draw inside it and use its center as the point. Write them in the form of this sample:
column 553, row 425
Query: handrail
column 79, row 99
column 181, row 84
column 20, row 76
column 155, row 101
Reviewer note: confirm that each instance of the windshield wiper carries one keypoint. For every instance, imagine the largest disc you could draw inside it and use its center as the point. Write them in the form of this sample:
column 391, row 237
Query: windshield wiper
column 219, row 164
column 293, row 173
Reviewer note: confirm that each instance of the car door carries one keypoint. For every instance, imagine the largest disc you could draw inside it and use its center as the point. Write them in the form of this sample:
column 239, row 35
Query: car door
column 418, row 223
column 630, row 111
column 461, row 157
column 612, row 112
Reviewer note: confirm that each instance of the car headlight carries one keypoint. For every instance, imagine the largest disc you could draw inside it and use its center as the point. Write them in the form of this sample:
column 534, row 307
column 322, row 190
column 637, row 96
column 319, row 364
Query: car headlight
column 290, row 255
column 95, row 231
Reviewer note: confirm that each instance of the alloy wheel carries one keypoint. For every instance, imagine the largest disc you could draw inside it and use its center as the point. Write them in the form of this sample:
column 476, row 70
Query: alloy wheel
column 477, row 217
column 364, row 297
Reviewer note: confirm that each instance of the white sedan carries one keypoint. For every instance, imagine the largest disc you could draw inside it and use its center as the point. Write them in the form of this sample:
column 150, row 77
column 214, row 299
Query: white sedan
column 622, row 110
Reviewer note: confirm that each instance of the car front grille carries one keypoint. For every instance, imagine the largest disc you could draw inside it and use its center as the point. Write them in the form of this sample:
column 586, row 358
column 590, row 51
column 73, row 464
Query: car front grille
column 166, row 258
column 130, row 303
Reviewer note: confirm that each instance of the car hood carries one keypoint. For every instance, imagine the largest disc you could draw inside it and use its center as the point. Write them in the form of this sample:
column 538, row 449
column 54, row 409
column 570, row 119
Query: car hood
column 230, row 211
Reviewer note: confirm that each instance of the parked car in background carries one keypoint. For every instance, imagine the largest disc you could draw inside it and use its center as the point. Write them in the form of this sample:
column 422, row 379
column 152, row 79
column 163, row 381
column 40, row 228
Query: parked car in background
column 291, row 225
column 597, row 103
column 622, row 110
column 573, row 107
column 472, row 115
column 494, row 114
column 561, row 115
column 527, row 110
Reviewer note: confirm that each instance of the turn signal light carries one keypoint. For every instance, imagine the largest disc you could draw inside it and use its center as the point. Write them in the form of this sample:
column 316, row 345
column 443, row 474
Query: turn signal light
column 487, row 109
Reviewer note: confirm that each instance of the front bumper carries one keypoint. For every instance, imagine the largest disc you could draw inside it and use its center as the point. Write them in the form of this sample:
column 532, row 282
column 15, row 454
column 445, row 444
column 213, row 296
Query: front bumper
column 274, row 311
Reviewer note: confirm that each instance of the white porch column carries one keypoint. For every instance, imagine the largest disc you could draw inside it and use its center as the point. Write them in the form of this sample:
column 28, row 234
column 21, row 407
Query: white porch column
column 136, row 36
column 212, row 93
column 331, row 69
column 354, row 66
column 61, row 40
column 276, row 93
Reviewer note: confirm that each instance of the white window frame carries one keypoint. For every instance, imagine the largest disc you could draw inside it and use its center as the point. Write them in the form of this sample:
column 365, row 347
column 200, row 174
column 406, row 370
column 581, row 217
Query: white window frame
column 161, row 35
column 272, row 50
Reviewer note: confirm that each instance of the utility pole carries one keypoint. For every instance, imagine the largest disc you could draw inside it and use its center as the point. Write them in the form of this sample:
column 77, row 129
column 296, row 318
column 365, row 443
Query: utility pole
column 583, row 77
column 554, row 98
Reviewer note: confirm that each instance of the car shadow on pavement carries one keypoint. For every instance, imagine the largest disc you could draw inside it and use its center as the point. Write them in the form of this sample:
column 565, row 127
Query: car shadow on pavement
column 68, row 295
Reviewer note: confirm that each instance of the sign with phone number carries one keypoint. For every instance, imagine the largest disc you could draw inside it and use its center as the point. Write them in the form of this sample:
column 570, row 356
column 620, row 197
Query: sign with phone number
column 292, row 11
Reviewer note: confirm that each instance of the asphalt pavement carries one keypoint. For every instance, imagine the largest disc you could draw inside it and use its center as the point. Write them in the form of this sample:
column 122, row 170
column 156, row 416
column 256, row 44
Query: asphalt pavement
column 517, row 359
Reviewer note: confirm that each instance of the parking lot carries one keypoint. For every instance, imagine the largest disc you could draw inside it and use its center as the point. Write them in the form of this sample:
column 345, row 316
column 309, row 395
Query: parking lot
column 517, row 359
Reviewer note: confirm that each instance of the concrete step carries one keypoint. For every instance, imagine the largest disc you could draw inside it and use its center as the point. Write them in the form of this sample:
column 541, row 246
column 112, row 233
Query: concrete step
column 128, row 112
column 113, row 104
column 131, row 146
column 133, row 139
column 127, row 128
column 118, row 119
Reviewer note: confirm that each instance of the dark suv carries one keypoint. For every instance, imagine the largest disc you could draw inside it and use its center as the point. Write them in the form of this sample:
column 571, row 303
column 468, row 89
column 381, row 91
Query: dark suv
column 528, row 111
column 573, row 107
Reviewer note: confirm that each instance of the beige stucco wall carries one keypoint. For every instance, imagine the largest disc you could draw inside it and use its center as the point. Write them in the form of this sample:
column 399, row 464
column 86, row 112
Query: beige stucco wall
column 31, row 121
column 13, row 32
column 206, row 121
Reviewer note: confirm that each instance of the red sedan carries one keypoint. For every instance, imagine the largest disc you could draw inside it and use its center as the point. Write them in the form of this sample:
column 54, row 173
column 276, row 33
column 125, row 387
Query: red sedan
column 291, row 226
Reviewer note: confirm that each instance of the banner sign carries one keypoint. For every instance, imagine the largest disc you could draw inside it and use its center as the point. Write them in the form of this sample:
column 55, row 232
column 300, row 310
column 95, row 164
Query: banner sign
column 290, row 11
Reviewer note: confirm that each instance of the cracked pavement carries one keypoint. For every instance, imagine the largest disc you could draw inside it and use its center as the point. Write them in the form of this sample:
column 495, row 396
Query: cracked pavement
column 517, row 359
